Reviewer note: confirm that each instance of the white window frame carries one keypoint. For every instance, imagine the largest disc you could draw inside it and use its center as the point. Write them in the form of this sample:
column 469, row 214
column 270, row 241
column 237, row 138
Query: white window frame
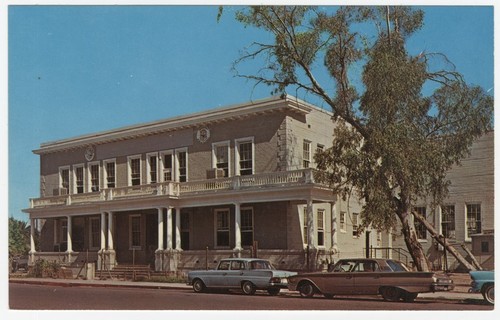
column 442, row 210
column 305, row 230
column 237, row 143
column 148, row 167
column 177, row 169
column 130, row 219
column 92, row 245
column 161, row 163
column 252, row 230
column 60, row 184
column 306, row 157
column 342, row 224
column 216, row 230
column 226, row 144
column 75, row 186
column 89, row 176
column 355, row 224
column 418, row 224
column 129, row 168
column 105, row 172
column 320, row 213
column 468, row 237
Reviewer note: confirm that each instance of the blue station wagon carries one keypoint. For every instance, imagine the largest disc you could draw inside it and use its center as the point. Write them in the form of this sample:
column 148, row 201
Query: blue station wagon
column 247, row 274
column 484, row 282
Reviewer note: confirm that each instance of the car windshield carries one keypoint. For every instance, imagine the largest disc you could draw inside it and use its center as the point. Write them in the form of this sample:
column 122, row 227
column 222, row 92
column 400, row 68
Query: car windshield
column 396, row 266
column 261, row 264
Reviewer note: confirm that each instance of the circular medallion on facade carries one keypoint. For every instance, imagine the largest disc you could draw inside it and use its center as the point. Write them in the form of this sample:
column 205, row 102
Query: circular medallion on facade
column 203, row 135
column 89, row 153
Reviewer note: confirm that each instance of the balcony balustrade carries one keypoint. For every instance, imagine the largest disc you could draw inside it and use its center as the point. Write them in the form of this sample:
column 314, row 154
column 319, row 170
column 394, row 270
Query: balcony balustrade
column 180, row 189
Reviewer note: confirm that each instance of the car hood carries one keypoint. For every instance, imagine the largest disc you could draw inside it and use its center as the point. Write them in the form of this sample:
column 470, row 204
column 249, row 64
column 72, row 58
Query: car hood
column 482, row 275
column 283, row 273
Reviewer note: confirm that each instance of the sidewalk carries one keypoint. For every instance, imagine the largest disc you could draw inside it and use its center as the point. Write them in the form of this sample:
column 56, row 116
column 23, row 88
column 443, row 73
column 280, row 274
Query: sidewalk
column 462, row 284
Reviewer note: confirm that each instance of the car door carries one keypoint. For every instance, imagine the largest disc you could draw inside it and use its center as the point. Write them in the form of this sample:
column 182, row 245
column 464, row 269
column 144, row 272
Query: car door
column 217, row 278
column 339, row 281
column 233, row 276
column 367, row 277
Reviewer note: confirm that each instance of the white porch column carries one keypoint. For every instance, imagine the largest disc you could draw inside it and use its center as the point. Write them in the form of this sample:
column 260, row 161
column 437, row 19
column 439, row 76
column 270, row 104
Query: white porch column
column 103, row 231
column 110, row 231
column 311, row 241
column 32, row 235
column 334, row 248
column 69, row 233
column 160, row 229
column 237, row 227
column 169, row 228
column 178, row 244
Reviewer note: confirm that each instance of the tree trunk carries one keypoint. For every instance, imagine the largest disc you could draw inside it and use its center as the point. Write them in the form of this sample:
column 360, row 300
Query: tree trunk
column 442, row 241
column 412, row 243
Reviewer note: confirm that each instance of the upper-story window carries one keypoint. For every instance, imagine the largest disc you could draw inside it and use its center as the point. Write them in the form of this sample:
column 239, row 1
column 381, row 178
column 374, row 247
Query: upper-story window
column 473, row 219
column 182, row 162
column 79, row 178
column 220, row 154
column 94, row 177
column 110, row 173
column 152, row 167
column 245, row 156
column 134, row 167
column 306, row 154
column 355, row 225
column 63, row 181
column 167, row 166
column 419, row 227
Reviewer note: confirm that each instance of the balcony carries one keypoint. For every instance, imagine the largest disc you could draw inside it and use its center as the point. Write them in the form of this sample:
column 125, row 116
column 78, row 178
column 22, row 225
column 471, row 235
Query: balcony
column 183, row 189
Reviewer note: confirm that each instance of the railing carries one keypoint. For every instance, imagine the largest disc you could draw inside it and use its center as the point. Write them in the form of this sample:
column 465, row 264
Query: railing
column 176, row 189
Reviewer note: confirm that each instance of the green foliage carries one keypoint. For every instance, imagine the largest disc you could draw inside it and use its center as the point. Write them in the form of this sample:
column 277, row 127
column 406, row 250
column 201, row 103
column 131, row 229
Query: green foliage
column 19, row 237
column 43, row 268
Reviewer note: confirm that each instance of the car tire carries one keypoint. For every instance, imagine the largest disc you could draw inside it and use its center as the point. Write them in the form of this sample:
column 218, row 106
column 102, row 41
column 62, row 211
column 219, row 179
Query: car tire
column 273, row 291
column 307, row 290
column 248, row 288
column 390, row 293
column 409, row 296
column 198, row 286
column 489, row 293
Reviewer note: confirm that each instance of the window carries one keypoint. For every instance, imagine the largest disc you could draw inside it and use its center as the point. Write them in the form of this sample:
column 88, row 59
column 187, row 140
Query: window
column 419, row 227
column 167, row 166
column 79, row 179
column 355, row 224
column 110, row 172
column 473, row 219
column 64, row 230
column 319, row 148
column 247, row 226
column 222, row 227
column 245, row 160
column 182, row 165
column 306, row 154
column 221, row 156
column 448, row 221
column 152, row 168
column 321, row 226
column 342, row 221
column 63, row 181
column 134, row 164
column 485, row 247
column 184, row 230
column 135, row 231
column 304, row 227
column 95, row 232
column 94, row 177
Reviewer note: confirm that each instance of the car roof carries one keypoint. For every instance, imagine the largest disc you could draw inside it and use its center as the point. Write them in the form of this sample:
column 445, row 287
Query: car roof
column 243, row 259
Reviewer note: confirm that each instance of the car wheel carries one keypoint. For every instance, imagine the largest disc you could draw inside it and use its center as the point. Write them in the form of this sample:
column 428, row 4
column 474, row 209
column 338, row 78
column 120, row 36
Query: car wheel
column 198, row 286
column 307, row 290
column 390, row 293
column 248, row 288
column 273, row 291
column 409, row 296
column 489, row 294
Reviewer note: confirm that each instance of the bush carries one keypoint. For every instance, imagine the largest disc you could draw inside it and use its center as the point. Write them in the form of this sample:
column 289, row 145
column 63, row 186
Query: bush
column 45, row 269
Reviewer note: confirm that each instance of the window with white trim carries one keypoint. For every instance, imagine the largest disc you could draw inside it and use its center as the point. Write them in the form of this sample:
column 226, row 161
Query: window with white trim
column 95, row 232
column 320, row 226
column 135, row 231
column 79, row 178
column 134, row 169
column 306, row 154
column 448, row 221
column 94, row 169
column 167, row 165
column 342, row 221
column 304, row 226
column 355, row 225
column 420, row 228
column 63, row 181
column 246, row 226
column 473, row 219
column 152, row 167
column 222, row 228
column 245, row 156
column 182, row 164
column 221, row 155
column 110, row 173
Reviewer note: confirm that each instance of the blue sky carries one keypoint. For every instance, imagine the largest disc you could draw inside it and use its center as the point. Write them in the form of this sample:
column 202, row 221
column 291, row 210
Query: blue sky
column 80, row 69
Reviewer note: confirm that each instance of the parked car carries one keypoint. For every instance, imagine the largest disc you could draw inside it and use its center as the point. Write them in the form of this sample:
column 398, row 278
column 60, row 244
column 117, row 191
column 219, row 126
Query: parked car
column 247, row 274
column 484, row 282
column 387, row 277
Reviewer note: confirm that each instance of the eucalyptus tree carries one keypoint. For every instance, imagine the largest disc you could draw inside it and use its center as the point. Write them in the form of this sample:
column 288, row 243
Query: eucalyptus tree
column 402, row 120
